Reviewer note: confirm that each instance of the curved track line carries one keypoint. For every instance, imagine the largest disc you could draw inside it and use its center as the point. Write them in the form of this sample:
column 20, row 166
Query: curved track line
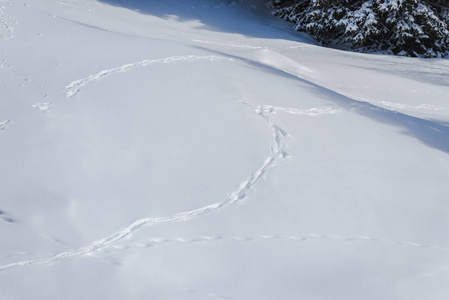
column 74, row 87
column 305, row 112
column 278, row 153
column 306, row 237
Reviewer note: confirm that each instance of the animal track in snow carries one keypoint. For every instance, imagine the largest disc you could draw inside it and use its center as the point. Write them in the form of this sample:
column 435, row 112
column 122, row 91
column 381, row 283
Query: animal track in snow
column 306, row 112
column 306, row 237
column 430, row 106
column 6, row 217
column 4, row 124
column 45, row 107
column 395, row 105
column 277, row 154
column 392, row 105
column 73, row 88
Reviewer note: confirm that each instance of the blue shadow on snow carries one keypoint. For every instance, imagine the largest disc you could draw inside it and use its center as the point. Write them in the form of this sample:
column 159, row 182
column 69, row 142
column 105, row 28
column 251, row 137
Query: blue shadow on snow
column 251, row 18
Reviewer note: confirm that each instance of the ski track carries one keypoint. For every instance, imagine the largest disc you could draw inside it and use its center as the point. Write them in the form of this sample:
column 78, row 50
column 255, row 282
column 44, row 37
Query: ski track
column 74, row 88
column 278, row 153
column 306, row 237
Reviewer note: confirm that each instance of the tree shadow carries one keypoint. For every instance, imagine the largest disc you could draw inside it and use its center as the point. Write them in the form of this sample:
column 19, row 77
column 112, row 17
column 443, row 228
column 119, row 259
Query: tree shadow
column 251, row 18
column 432, row 133
column 435, row 75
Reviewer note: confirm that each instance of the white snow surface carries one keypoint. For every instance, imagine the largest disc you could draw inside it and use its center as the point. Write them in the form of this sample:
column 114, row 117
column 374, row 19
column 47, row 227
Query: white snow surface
column 201, row 149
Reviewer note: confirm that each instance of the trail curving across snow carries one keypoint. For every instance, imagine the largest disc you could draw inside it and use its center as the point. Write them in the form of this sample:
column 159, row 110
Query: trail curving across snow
column 277, row 154
column 74, row 87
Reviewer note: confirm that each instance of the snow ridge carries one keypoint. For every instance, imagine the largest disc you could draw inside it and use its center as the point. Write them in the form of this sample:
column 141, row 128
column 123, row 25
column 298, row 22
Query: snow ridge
column 74, row 87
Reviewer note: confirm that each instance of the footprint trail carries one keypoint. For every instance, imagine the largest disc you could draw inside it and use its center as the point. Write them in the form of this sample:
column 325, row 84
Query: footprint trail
column 277, row 154
column 305, row 237
column 74, row 87
column 4, row 124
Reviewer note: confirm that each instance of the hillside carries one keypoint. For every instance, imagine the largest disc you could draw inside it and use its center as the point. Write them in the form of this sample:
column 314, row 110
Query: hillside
column 202, row 149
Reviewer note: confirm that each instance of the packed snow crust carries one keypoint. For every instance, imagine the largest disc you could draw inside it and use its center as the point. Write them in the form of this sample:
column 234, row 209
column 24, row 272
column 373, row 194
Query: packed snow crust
column 201, row 149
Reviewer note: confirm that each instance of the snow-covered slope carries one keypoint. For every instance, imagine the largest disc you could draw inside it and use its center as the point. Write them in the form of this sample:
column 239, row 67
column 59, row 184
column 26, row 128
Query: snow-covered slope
column 201, row 149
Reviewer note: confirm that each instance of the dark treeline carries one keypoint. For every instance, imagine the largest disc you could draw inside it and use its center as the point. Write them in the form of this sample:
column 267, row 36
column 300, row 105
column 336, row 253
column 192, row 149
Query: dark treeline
column 417, row 28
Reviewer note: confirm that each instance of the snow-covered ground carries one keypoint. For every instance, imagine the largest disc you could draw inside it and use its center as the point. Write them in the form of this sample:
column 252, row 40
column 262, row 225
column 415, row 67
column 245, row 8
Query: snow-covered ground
column 201, row 149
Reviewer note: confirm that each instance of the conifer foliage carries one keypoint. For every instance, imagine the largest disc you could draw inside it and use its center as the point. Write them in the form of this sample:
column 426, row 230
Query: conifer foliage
column 418, row 28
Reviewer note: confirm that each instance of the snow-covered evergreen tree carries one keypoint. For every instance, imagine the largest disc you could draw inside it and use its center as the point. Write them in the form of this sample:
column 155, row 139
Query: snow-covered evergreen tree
column 402, row 27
